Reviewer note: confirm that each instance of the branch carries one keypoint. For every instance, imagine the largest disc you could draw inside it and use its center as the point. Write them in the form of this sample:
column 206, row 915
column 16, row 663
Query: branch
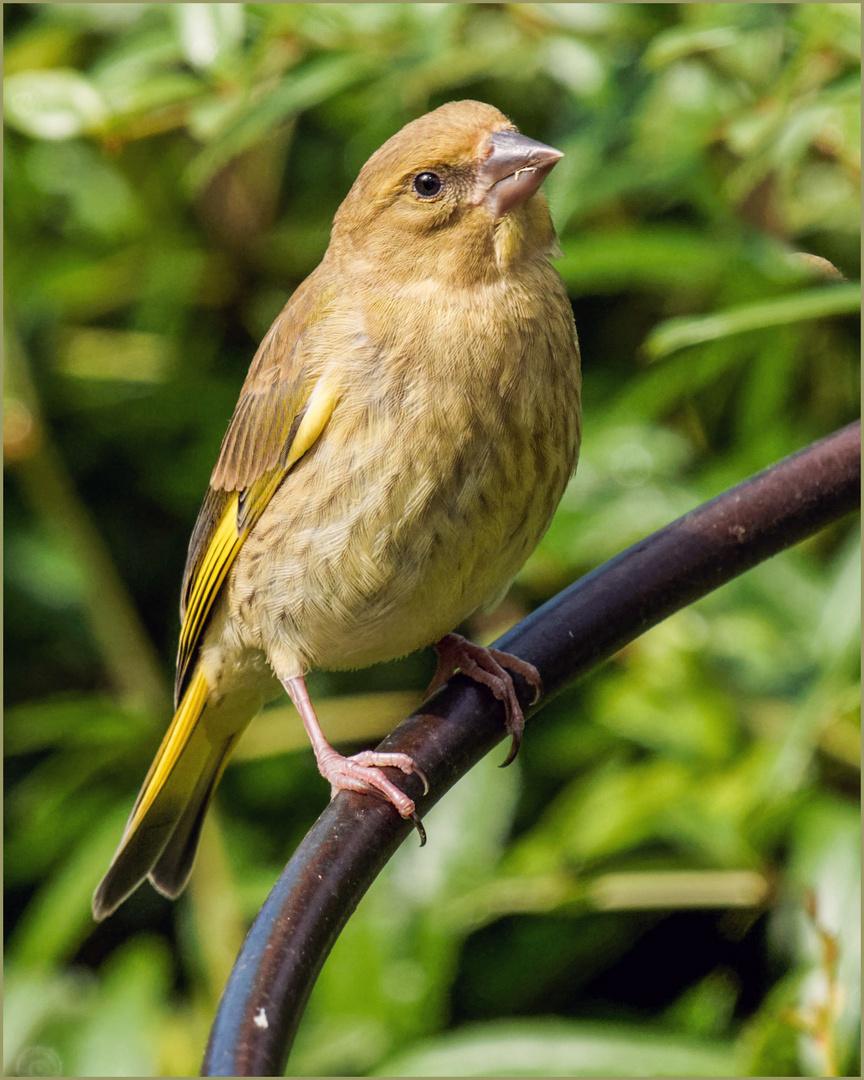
column 585, row 624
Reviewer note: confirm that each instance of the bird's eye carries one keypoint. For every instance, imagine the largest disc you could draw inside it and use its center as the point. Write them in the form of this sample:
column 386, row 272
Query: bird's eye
column 427, row 184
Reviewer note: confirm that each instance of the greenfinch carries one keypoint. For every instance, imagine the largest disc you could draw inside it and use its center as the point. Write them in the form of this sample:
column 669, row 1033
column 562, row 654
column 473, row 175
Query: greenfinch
column 403, row 437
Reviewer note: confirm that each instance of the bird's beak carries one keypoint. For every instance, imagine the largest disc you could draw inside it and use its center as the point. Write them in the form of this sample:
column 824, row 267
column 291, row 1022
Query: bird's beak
column 515, row 168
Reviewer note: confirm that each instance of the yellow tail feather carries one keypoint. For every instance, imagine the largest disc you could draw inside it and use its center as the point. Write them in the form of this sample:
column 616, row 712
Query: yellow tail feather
column 176, row 738
column 177, row 788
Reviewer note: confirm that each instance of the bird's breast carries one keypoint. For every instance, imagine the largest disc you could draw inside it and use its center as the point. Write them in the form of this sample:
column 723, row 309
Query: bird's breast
column 437, row 474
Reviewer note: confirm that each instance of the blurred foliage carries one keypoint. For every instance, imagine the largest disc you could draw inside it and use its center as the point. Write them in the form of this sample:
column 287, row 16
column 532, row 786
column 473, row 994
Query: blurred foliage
column 666, row 882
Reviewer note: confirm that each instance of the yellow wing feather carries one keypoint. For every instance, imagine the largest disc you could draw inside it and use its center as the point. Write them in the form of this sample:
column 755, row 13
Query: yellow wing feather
column 235, row 524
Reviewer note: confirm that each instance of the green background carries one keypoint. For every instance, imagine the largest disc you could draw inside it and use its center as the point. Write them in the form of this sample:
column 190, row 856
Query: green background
column 666, row 881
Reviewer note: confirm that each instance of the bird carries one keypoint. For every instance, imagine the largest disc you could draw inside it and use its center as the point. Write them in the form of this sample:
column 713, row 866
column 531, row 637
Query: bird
column 401, row 442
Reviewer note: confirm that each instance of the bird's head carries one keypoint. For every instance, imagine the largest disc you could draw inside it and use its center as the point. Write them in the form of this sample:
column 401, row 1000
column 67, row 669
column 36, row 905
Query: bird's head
column 454, row 194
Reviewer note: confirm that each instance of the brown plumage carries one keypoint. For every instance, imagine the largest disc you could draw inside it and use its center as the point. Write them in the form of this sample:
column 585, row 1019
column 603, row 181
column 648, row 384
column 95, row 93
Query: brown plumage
column 401, row 442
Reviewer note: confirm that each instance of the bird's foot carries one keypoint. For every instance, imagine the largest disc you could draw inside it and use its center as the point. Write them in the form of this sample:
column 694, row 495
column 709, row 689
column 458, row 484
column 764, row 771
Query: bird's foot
column 489, row 667
column 362, row 773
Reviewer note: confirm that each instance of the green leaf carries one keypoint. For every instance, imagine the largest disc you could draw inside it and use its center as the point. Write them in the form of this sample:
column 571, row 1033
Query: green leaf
column 547, row 1048
column 31, row 1000
column 85, row 720
column 59, row 917
column 209, row 32
column 683, row 41
column 678, row 333
column 122, row 1036
column 301, row 89
column 58, row 104
column 650, row 257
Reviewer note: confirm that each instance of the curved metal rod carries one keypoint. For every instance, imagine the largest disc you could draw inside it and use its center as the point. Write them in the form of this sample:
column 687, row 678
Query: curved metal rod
column 274, row 974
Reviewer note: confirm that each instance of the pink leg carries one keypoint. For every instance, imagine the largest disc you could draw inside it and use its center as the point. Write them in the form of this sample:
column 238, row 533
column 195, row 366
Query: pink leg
column 362, row 772
column 487, row 666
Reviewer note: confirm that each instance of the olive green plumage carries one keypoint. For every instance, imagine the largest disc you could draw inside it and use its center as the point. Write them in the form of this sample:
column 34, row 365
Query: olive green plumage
column 403, row 437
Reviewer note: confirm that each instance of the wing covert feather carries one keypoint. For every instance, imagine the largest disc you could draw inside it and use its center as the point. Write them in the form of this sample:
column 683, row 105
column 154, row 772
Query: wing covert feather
column 276, row 388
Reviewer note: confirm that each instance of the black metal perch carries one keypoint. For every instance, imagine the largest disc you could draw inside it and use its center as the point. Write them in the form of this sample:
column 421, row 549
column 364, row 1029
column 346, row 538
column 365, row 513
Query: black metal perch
column 349, row 844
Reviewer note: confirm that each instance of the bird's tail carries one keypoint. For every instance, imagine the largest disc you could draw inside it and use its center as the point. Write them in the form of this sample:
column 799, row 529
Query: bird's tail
column 162, row 832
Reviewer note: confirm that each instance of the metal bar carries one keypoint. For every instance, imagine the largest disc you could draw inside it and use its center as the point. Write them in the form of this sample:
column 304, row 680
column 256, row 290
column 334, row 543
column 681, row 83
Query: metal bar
column 576, row 630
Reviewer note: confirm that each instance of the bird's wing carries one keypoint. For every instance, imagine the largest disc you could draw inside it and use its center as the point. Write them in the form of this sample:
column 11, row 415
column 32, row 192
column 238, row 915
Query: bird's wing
column 281, row 412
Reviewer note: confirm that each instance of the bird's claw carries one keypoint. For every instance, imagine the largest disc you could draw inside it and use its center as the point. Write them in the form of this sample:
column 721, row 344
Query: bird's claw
column 516, row 742
column 489, row 667
column 419, row 772
column 418, row 825
column 363, row 773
